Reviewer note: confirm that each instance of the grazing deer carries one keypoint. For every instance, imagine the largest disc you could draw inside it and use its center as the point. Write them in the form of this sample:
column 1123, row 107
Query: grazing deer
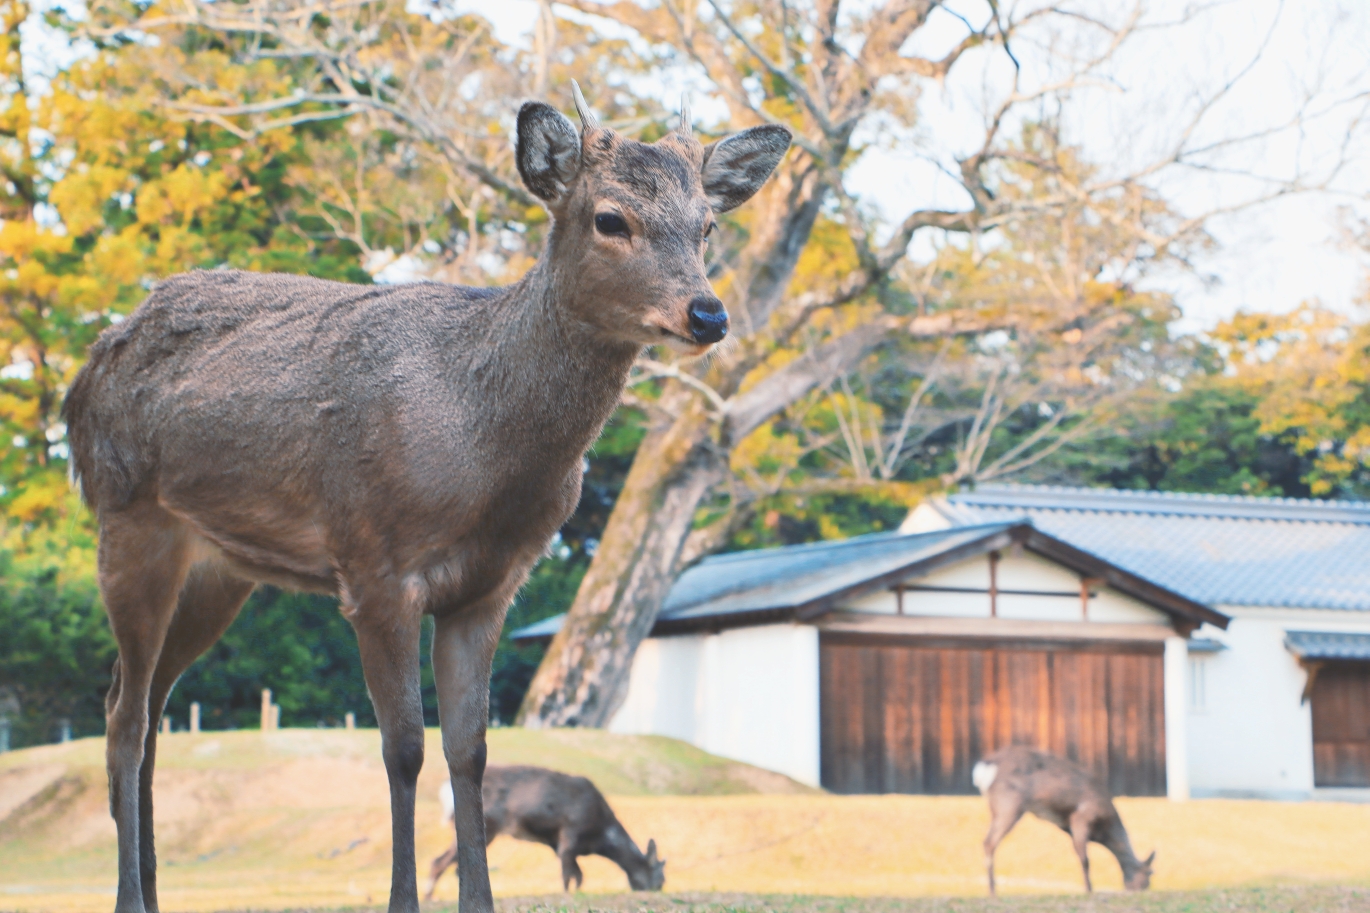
column 409, row 448
column 1017, row 780
column 566, row 813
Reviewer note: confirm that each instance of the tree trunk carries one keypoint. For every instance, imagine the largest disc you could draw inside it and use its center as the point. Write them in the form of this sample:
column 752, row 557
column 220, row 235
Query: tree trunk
column 583, row 678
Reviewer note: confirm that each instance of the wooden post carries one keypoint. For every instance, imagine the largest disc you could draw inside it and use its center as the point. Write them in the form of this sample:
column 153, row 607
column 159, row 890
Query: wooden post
column 267, row 718
column 194, row 716
column 275, row 717
column 899, row 598
column 993, row 584
column 166, row 725
column 349, row 720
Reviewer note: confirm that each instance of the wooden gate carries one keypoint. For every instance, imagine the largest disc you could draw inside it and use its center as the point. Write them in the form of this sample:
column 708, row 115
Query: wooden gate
column 903, row 718
column 1341, row 725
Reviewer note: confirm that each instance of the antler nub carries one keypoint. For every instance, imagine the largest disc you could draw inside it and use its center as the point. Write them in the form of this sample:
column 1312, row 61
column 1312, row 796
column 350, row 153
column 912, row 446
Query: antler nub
column 587, row 120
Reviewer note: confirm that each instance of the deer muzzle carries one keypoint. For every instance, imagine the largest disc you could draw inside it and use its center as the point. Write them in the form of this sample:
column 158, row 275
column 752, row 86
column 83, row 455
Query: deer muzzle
column 708, row 320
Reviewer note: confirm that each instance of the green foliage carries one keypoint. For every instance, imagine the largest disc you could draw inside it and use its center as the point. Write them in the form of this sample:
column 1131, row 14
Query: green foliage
column 1206, row 439
column 56, row 650
column 297, row 644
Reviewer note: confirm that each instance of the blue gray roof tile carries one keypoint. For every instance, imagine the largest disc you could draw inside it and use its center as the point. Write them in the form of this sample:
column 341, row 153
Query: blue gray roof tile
column 1323, row 645
column 1216, row 550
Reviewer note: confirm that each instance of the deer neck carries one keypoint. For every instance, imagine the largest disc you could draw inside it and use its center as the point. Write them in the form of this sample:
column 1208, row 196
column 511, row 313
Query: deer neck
column 619, row 847
column 1116, row 842
column 558, row 373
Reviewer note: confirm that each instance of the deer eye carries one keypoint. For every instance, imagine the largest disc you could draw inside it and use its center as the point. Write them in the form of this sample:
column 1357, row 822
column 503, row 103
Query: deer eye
column 608, row 223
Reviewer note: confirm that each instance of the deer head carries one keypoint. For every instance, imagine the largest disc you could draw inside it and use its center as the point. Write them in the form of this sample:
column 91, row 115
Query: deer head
column 651, row 875
column 1140, row 878
column 632, row 220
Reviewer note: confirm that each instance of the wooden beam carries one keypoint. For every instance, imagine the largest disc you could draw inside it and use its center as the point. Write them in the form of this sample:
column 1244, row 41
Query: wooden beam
column 1313, row 667
column 994, row 584
column 996, row 629
column 1085, row 594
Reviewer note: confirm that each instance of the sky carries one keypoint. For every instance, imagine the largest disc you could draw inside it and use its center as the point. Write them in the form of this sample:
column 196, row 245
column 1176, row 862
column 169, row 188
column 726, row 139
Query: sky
column 1282, row 58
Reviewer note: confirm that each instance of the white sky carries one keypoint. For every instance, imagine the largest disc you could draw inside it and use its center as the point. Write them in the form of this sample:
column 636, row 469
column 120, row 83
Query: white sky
column 1268, row 258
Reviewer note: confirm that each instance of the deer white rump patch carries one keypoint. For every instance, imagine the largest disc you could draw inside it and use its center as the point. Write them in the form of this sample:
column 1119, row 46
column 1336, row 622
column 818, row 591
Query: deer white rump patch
column 982, row 775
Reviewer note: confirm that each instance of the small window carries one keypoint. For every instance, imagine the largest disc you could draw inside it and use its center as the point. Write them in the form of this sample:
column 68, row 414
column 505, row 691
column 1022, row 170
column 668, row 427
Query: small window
column 1198, row 684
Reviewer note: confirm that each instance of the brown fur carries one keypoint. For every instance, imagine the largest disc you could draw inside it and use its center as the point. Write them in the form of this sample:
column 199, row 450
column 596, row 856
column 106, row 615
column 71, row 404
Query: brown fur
column 565, row 813
column 1061, row 792
column 410, row 448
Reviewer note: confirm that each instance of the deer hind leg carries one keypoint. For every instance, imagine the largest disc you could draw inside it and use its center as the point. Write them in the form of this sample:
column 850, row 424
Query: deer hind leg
column 463, row 647
column 440, row 865
column 388, row 636
column 208, row 603
column 1003, row 816
column 143, row 558
column 1079, row 835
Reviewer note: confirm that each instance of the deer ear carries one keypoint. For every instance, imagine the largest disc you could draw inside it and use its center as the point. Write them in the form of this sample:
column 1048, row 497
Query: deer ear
column 651, row 850
column 1150, row 859
column 735, row 168
column 548, row 151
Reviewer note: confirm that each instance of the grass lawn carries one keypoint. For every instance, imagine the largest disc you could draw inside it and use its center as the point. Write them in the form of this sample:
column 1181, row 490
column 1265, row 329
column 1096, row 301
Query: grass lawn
column 1307, row 899
column 300, row 818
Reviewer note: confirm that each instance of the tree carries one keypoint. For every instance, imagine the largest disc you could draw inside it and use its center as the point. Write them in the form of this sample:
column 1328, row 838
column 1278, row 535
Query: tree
column 829, row 74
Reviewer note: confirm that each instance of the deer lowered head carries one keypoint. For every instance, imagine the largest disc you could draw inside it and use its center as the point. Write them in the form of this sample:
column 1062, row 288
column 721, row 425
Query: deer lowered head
column 1137, row 876
column 632, row 220
column 647, row 872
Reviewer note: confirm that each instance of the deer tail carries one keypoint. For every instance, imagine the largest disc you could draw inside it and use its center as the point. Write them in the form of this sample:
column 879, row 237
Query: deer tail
column 983, row 774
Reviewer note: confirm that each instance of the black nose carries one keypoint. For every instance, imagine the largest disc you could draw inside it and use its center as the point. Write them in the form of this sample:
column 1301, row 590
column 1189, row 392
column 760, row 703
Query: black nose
column 708, row 320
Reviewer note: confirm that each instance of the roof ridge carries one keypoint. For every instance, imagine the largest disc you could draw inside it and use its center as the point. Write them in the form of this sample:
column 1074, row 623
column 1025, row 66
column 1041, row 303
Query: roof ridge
column 1113, row 500
column 829, row 544
column 1151, row 494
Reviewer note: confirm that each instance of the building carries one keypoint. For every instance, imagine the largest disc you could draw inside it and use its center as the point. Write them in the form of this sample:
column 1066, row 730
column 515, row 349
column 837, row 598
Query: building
column 1175, row 644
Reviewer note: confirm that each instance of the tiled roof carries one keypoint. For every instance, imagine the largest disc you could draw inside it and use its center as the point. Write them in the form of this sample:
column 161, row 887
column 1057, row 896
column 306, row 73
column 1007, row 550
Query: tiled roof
column 1216, row 550
column 1324, row 645
column 777, row 579
column 800, row 580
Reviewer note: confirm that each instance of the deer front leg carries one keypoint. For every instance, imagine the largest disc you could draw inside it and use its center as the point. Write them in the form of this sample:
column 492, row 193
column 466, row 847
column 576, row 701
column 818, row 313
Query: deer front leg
column 1079, row 835
column 463, row 646
column 388, row 635
column 570, row 868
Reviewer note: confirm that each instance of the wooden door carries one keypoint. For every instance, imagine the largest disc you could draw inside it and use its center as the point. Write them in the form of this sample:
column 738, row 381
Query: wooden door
column 903, row 718
column 1341, row 725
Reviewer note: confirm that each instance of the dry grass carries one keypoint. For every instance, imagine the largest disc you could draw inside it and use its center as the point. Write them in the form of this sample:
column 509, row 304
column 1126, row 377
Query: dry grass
column 300, row 818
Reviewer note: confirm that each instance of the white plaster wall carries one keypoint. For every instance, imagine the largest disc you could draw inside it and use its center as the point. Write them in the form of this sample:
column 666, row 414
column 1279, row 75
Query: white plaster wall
column 1253, row 735
column 750, row 694
column 662, row 689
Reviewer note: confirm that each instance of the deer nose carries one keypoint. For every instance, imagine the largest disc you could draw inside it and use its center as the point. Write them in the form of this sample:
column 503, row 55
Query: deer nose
column 708, row 320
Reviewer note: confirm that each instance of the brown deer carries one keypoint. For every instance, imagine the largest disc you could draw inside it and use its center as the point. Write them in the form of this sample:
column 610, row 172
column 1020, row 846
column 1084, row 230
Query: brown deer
column 567, row 813
column 1016, row 780
column 410, row 448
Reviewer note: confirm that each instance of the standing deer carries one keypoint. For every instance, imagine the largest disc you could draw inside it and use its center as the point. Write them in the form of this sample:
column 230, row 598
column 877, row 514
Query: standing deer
column 411, row 449
column 1017, row 780
column 555, row 809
